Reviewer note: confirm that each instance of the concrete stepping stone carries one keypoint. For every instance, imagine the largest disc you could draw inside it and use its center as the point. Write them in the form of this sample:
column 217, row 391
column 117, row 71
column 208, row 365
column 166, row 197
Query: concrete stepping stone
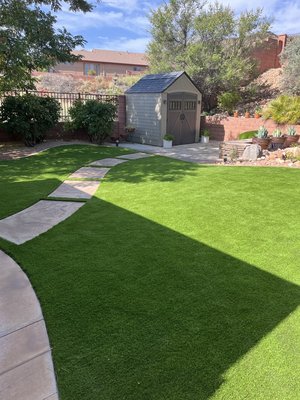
column 107, row 162
column 37, row 219
column 18, row 303
column 26, row 368
column 76, row 189
column 135, row 156
column 89, row 173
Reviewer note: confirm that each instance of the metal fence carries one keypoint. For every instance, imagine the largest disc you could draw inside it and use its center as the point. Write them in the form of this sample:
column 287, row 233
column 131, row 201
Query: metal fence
column 66, row 100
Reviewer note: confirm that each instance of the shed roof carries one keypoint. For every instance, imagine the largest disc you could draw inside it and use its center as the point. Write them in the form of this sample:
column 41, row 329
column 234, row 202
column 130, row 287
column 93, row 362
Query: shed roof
column 155, row 83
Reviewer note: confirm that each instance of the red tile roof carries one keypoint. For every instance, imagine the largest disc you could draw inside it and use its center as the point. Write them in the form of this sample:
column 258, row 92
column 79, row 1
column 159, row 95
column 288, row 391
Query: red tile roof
column 113, row 57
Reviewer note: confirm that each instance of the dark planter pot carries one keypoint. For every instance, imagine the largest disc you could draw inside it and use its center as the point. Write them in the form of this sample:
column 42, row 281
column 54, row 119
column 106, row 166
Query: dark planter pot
column 277, row 142
column 290, row 140
column 264, row 143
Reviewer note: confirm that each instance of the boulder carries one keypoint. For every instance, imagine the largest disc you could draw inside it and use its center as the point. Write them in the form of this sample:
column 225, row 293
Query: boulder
column 251, row 152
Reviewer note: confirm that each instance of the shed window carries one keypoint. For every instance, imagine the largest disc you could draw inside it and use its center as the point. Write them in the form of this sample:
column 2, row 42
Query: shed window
column 175, row 105
column 190, row 105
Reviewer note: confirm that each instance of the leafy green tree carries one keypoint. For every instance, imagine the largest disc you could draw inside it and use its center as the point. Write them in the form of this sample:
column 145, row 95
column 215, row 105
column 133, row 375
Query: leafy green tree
column 29, row 41
column 212, row 44
column 173, row 32
column 291, row 67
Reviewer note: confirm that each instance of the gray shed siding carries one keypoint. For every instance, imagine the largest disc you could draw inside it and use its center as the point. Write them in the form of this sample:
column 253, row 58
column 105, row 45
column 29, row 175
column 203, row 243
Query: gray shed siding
column 143, row 111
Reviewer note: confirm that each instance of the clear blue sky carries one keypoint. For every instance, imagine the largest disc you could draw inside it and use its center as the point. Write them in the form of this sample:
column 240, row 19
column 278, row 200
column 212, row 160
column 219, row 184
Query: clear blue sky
column 123, row 24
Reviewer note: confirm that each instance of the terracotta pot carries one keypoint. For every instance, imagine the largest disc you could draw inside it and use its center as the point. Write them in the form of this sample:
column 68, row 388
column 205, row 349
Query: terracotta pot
column 235, row 114
column 290, row 140
column 247, row 115
column 257, row 116
column 264, row 143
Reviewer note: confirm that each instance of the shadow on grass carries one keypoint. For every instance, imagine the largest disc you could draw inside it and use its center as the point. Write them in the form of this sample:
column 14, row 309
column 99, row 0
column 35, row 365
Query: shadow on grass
column 138, row 311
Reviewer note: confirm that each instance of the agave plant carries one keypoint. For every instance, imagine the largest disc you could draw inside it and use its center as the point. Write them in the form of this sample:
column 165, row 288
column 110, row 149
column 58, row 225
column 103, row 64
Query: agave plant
column 277, row 133
column 291, row 131
column 262, row 132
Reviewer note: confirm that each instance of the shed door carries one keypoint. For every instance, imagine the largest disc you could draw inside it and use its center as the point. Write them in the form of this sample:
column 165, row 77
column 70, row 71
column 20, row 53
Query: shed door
column 181, row 118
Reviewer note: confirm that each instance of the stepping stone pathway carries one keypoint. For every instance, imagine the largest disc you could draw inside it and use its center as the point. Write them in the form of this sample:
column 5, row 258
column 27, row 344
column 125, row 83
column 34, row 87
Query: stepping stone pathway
column 37, row 219
column 135, row 156
column 26, row 368
column 107, row 162
column 76, row 189
column 89, row 173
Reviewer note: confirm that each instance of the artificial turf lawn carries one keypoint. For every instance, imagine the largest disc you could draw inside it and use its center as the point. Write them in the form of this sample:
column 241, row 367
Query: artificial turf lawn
column 176, row 281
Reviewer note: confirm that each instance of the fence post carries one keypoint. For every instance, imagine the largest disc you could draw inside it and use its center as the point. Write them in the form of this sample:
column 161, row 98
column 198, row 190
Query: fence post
column 121, row 113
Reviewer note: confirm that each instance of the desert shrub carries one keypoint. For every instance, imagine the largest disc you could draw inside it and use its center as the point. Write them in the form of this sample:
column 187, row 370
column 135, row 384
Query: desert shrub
column 291, row 67
column 228, row 101
column 97, row 118
column 247, row 135
column 29, row 116
column 284, row 110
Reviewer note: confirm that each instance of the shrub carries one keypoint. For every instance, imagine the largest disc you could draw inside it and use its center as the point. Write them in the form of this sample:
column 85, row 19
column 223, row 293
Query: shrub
column 227, row 101
column 205, row 132
column 247, row 135
column 291, row 67
column 169, row 137
column 97, row 118
column 284, row 110
column 29, row 116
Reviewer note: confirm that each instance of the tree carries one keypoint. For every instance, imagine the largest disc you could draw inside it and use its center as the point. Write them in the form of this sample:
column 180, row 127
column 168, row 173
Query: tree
column 173, row 32
column 291, row 67
column 29, row 41
column 216, row 50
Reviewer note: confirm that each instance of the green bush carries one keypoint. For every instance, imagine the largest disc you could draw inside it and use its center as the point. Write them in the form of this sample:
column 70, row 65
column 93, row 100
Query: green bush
column 168, row 137
column 284, row 110
column 227, row 101
column 247, row 135
column 97, row 118
column 205, row 132
column 29, row 116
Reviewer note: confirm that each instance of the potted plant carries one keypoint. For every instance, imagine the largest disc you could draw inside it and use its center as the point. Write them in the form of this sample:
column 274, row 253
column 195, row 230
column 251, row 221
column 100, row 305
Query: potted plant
column 258, row 112
column 168, row 141
column 247, row 114
column 205, row 136
column 236, row 114
column 277, row 139
column 262, row 138
column 291, row 136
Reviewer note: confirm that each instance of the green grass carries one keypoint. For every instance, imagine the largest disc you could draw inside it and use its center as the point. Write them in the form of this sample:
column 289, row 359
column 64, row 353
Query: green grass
column 176, row 281
column 247, row 135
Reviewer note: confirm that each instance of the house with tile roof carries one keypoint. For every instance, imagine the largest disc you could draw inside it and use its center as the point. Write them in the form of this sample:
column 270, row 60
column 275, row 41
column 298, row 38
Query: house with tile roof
column 104, row 63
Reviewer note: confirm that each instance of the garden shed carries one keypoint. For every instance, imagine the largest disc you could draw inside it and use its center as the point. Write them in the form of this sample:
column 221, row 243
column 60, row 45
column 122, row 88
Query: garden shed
column 162, row 104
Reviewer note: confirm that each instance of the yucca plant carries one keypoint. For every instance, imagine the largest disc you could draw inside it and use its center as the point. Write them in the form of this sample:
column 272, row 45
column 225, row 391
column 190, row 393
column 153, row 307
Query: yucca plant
column 262, row 132
column 277, row 133
column 291, row 131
